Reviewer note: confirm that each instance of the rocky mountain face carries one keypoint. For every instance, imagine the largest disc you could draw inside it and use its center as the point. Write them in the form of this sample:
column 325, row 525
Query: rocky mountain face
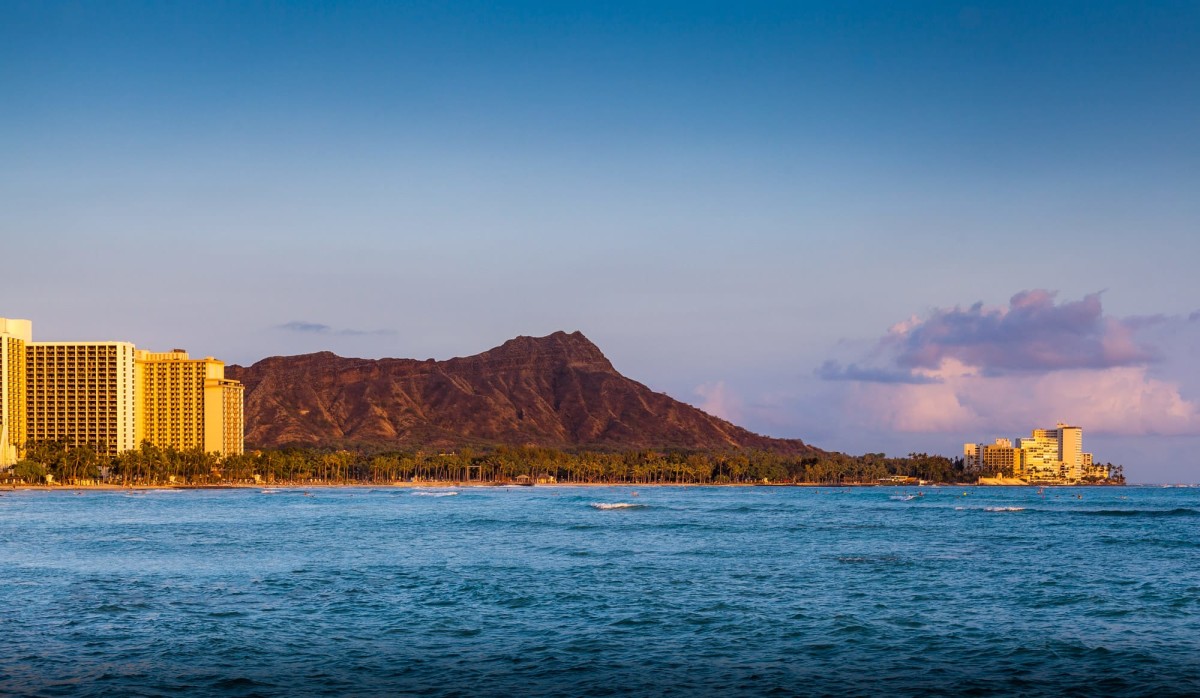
column 557, row 391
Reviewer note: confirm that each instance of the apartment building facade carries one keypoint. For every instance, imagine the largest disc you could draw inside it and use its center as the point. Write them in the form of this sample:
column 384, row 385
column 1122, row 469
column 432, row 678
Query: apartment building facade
column 82, row 394
column 1047, row 455
column 111, row 397
column 188, row 403
column 15, row 336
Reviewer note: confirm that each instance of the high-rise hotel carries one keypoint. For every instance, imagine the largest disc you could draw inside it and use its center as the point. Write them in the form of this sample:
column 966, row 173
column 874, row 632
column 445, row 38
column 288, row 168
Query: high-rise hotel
column 81, row 393
column 1048, row 455
column 112, row 396
column 188, row 402
column 15, row 336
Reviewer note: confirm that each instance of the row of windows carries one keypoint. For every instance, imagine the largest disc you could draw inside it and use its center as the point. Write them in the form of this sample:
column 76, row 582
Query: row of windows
column 89, row 362
column 71, row 352
column 66, row 422
column 72, row 387
column 73, row 390
column 36, row 377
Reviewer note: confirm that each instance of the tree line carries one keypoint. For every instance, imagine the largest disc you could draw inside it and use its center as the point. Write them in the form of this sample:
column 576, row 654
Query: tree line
column 153, row 465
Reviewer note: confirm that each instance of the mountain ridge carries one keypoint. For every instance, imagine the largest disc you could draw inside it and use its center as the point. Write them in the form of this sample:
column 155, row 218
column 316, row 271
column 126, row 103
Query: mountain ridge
column 558, row 391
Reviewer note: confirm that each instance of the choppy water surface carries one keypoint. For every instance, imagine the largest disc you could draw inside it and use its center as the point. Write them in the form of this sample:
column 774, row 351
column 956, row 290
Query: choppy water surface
column 556, row 591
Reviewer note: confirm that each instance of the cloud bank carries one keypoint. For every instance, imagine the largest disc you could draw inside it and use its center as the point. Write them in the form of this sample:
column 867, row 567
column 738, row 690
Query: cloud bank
column 305, row 327
column 1031, row 334
column 301, row 326
column 1003, row 370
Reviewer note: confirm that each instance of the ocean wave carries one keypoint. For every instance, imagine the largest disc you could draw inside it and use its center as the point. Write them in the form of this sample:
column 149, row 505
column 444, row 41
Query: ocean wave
column 1004, row 508
column 434, row 494
column 617, row 505
column 903, row 497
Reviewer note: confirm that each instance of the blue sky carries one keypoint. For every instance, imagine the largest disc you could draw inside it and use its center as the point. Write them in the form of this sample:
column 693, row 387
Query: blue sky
column 723, row 196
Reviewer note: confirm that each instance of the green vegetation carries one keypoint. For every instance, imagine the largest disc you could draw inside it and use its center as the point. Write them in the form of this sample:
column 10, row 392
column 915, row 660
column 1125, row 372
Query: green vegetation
column 151, row 465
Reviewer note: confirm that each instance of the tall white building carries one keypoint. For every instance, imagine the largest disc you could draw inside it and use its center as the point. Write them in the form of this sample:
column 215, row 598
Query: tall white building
column 1070, row 450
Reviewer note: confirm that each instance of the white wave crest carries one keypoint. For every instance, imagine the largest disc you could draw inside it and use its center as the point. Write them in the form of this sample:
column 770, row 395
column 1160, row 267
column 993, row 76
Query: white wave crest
column 616, row 505
column 1004, row 508
column 434, row 494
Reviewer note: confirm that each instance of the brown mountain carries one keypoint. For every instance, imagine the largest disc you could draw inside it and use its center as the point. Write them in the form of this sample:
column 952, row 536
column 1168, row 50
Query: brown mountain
column 556, row 391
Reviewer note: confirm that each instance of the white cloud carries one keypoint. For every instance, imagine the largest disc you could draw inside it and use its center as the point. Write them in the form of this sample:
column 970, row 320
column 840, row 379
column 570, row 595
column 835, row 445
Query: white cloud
column 719, row 401
column 1121, row 400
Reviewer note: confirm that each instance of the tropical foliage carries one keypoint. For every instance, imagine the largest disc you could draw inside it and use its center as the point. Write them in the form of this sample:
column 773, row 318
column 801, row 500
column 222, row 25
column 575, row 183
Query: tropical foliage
column 153, row 465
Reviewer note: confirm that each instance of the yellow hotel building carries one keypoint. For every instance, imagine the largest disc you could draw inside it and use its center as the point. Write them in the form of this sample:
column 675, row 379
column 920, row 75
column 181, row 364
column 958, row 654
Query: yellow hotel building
column 112, row 396
column 15, row 335
column 82, row 394
column 188, row 402
column 1048, row 455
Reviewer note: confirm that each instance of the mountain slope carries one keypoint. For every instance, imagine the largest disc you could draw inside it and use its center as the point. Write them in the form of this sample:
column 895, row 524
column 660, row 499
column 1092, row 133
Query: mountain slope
column 558, row 391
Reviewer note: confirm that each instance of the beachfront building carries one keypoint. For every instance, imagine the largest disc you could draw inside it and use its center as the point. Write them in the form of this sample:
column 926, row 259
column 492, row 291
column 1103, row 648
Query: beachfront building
column 1041, row 455
column 82, row 394
column 188, row 403
column 1070, row 451
column 999, row 457
column 1093, row 471
column 111, row 396
column 1048, row 455
column 14, row 336
column 224, row 401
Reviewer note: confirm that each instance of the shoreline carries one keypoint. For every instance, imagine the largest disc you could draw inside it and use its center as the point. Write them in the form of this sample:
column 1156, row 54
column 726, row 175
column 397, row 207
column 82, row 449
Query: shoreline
column 449, row 484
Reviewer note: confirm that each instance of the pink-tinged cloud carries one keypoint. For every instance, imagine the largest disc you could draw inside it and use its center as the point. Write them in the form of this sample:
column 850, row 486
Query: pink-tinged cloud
column 1032, row 333
column 719, row 401
column 1005, row 370
column 1122, row 400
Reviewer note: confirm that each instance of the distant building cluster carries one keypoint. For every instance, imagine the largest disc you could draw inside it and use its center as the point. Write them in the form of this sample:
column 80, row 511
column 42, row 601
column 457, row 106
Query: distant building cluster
column 112, row 397
column 1047, row 456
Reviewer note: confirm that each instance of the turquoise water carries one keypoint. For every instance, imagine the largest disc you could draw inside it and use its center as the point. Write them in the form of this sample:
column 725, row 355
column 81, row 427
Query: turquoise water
column 541, row 591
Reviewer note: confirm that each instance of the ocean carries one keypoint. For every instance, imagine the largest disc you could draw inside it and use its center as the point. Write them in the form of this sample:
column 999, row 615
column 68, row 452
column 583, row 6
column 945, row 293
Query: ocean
column 601, row 591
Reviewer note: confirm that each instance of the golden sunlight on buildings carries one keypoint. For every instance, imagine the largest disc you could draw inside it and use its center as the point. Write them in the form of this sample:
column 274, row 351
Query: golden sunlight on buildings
column 81, row 394
column 1052, row 456
column 188, row 402
column 112, row 397
column 15, row 335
